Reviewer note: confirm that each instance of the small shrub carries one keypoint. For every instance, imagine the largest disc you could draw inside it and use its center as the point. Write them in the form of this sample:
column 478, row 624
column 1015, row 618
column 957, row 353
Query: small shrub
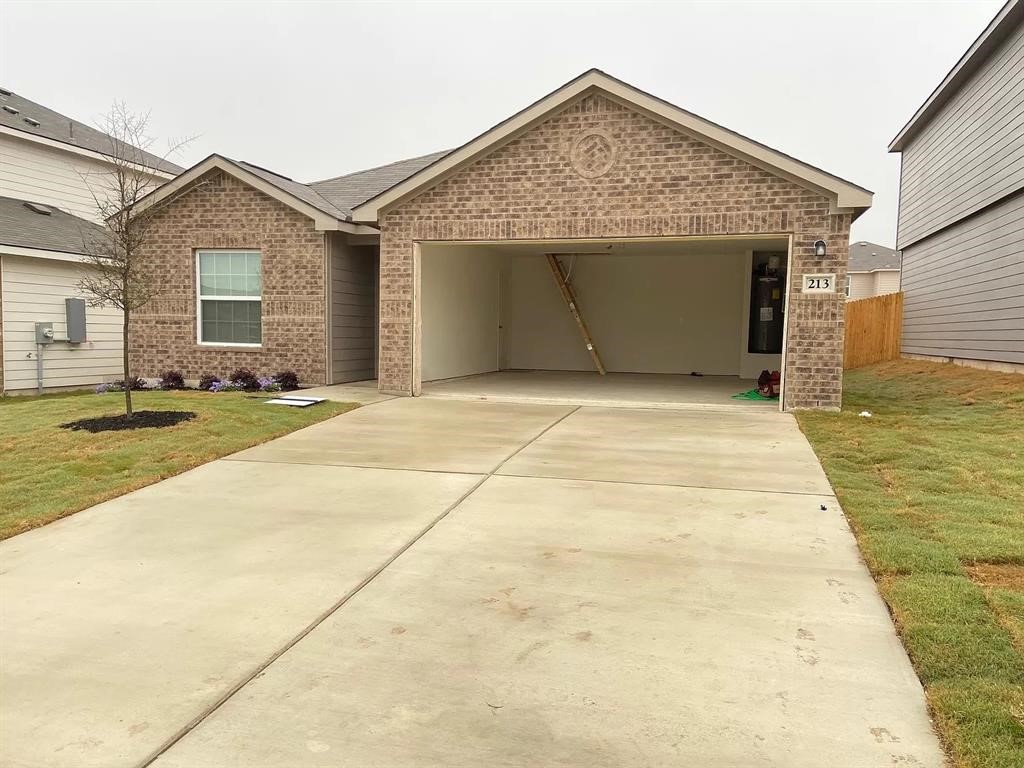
column 109, row 387
column 135, row 384
column 172, row 380
column 225, row 386
column 245, row 379
column 288, row 380
column 268, row 385
column 207, row 380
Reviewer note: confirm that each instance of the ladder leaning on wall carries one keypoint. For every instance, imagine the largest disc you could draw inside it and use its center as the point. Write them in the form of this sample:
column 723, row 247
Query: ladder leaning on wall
column 564, row 287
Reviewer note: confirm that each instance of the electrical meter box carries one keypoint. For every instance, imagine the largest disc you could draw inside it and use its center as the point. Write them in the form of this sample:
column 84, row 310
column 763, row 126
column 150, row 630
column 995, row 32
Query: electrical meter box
column 44, row 333
column 74, row 312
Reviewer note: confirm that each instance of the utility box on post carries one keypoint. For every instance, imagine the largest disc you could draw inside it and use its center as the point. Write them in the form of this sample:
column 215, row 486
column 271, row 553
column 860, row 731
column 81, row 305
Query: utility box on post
column 74, row 312
column 44, row 333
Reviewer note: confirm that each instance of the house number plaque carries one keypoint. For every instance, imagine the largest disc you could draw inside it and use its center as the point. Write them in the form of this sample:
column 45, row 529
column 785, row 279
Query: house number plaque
column 819, row 284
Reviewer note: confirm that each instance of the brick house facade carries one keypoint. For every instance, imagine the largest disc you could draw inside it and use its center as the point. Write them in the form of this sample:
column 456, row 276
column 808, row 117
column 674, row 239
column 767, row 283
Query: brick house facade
column 596, row 160
column 662, row 183
column 220, row 211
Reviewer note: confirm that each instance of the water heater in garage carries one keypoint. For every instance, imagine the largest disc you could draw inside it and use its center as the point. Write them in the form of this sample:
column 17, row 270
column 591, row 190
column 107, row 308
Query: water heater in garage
column 767, row 303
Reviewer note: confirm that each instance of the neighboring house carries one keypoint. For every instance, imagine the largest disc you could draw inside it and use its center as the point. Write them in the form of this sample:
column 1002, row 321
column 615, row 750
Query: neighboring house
column 50, row 168
column 961, row 218
column 691, row 248
column 874, row 270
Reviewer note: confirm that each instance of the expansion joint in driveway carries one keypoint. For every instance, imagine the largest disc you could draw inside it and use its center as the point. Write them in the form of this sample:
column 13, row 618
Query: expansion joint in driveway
column 195, row 722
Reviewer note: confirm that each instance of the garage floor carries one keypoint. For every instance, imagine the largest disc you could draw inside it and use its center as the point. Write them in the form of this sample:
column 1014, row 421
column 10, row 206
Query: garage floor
column 641, row 390
column 426, row 582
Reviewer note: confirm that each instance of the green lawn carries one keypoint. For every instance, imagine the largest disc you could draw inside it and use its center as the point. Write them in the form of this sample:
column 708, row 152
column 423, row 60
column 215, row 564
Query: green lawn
column 47, row 472
column 933, row 486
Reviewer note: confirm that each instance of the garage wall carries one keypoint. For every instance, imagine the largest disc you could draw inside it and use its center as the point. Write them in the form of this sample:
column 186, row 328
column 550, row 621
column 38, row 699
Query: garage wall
column 460, row 301
column 671, row 313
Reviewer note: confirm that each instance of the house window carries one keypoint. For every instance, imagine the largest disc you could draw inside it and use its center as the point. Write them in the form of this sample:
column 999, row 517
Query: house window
column 849, row 285
column 230, row 297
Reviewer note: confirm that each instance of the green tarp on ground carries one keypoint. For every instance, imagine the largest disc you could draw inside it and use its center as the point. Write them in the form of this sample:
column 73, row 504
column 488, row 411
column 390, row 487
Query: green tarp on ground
column 751, row 394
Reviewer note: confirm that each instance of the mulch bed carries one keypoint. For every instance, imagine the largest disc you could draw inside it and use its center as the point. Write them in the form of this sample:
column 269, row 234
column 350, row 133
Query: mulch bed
column 140, row 420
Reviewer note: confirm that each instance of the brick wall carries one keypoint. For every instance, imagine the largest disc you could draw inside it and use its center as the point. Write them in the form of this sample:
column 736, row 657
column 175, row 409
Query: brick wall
column 651, row 181
column 221, row 212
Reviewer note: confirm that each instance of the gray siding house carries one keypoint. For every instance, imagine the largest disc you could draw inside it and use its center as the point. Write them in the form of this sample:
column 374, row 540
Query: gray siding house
column 961, row 215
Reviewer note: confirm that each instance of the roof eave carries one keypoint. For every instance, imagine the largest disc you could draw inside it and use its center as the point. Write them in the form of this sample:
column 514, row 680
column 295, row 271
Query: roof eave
column 322, row 221
column 42, row 253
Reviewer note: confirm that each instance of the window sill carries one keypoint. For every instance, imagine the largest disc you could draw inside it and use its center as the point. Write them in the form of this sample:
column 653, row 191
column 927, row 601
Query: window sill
column 229, row 345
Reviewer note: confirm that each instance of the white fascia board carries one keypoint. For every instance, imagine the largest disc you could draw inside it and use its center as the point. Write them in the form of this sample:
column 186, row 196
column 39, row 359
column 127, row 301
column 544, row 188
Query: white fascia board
column 40, row 253
column 321, row 221
column 845, row 196
column 72, row 149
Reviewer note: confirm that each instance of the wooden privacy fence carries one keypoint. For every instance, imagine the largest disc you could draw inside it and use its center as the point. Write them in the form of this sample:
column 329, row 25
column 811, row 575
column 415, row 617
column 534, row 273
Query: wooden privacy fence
column 873, row 328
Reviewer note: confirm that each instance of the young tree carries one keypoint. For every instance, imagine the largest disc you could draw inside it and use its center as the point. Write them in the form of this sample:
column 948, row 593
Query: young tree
column 117, row 276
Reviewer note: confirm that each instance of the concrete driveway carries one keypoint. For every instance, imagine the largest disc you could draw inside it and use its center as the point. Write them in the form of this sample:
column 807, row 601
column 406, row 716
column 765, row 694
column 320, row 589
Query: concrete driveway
column 440, row 582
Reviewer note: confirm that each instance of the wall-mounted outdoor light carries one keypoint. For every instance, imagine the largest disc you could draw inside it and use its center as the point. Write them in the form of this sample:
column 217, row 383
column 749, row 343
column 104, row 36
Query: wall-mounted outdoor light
column 819, row 248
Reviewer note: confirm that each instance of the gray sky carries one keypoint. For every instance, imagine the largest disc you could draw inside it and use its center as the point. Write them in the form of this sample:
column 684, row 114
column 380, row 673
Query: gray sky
column 316, row 89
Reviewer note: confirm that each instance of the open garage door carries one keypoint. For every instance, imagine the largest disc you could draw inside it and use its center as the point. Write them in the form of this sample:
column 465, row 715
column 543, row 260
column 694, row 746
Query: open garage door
column 687, row 314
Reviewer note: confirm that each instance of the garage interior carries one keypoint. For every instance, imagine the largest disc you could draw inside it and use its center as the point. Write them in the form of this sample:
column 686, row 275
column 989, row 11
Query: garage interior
column 672, row 321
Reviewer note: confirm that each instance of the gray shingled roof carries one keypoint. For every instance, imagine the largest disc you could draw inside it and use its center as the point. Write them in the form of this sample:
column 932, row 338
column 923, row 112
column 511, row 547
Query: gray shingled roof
column 58, row 127
column 303, row 192
column 59, row 231
column 867, row 257
column 348, row 191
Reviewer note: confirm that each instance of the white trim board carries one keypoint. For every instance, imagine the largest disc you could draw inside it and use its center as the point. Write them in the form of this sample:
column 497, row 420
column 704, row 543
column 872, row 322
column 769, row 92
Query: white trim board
column 41, row 253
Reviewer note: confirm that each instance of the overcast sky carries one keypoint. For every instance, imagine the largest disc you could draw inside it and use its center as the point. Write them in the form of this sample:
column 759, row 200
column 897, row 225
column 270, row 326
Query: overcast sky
column 317, row 89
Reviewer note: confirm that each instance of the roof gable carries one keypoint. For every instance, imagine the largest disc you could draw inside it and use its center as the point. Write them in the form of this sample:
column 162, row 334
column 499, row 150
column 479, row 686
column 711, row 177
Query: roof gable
column 298, row 196
column 845, row 195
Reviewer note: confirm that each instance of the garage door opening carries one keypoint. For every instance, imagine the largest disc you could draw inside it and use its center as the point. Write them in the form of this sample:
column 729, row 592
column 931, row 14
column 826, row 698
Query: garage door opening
column 673, row 322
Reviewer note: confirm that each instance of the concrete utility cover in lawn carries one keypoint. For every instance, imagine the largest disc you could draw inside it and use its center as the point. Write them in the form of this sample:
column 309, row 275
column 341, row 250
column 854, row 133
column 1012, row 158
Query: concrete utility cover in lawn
column 438, row 582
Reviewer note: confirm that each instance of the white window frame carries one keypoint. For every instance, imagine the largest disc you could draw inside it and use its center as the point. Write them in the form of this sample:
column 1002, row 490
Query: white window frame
column 200, row 298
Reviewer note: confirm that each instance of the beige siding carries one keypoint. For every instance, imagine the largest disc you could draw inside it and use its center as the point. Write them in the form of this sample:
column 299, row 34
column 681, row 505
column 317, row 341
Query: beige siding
column 42, row 174
column 46, row 175
column 862, row 285
column 353, row 287
column 964, row 288
column 34, row 291
column 971, row 154
column 887, row 281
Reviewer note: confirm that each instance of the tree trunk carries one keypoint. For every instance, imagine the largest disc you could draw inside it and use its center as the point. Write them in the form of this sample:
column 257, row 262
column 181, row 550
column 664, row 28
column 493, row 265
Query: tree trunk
column 127, row 371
